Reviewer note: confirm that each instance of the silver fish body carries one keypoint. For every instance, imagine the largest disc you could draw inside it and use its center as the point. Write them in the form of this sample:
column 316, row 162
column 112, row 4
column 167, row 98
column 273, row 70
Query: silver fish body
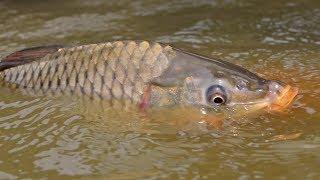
column 119, row 70
column 143, row 73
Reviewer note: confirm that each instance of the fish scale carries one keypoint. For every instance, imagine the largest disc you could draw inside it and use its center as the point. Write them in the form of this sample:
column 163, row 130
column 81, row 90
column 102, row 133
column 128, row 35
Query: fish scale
column 119, row 70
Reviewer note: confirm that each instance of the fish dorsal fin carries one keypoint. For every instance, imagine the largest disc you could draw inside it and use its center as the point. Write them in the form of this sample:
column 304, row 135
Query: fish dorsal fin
column 27, row 55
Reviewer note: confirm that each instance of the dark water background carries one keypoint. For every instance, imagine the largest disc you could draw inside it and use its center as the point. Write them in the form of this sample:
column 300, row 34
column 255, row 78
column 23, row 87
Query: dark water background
column 62, row 138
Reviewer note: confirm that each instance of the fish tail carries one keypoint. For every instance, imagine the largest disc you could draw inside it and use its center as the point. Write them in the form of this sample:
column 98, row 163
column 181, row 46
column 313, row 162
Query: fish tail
column 26, row 56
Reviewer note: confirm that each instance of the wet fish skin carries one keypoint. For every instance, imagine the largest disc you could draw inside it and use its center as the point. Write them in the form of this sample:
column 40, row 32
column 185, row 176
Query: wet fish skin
column 113, row 70
column 145, row 73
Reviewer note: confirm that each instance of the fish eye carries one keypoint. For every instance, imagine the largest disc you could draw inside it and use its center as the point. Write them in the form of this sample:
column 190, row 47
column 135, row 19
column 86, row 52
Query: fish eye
column 216, row 95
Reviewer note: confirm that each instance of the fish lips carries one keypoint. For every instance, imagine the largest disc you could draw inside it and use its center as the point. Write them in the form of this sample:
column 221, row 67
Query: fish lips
column 277, row 100
column 284, row 99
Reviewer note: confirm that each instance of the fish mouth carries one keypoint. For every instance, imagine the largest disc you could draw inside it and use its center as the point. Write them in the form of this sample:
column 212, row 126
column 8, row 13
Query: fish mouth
column 273, row 102
column 284, row 98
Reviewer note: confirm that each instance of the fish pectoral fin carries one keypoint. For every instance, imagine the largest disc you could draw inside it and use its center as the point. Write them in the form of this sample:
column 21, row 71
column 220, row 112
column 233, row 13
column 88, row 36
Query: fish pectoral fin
column 216, row 122
column 27, row 55
column 145, row 101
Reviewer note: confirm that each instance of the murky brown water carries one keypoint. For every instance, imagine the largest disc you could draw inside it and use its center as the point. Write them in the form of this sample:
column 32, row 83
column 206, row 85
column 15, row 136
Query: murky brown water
column 67, row 138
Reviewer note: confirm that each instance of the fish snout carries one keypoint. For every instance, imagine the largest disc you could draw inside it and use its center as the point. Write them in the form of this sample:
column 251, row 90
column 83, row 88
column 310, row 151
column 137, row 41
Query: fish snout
column 281, row 95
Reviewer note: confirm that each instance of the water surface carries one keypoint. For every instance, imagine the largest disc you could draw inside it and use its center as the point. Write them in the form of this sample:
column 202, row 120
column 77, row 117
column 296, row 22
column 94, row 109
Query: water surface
column 66, row 138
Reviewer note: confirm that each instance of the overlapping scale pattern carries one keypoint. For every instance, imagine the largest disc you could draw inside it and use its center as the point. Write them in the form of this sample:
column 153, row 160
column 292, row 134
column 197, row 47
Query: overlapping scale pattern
column 119, row 70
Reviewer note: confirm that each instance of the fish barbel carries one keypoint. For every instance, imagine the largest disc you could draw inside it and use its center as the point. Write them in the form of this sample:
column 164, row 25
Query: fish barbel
column 149, row 74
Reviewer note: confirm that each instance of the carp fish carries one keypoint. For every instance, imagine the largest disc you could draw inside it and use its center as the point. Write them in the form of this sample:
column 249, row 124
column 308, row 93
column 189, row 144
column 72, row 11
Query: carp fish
column 148, row 74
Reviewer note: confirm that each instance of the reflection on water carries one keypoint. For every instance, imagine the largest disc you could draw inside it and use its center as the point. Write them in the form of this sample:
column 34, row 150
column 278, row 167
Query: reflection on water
column 66, row 137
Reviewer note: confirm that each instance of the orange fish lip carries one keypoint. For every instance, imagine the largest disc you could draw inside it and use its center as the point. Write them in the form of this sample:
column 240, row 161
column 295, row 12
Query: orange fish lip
column 284, row 99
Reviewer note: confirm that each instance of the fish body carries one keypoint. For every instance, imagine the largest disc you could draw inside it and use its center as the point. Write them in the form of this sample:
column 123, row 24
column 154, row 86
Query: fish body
column 119, row 70
column 141, row 72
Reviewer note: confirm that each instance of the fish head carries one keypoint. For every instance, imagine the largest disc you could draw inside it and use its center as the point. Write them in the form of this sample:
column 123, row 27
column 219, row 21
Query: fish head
column 220, row 86
column 236, row 95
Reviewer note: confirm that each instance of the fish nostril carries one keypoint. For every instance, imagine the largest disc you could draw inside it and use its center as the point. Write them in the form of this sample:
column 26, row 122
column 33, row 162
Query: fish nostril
column 241, row 85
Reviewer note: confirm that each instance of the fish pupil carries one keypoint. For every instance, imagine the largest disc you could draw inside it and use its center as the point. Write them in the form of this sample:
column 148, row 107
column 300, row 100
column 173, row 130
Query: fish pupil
column 218, row 100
